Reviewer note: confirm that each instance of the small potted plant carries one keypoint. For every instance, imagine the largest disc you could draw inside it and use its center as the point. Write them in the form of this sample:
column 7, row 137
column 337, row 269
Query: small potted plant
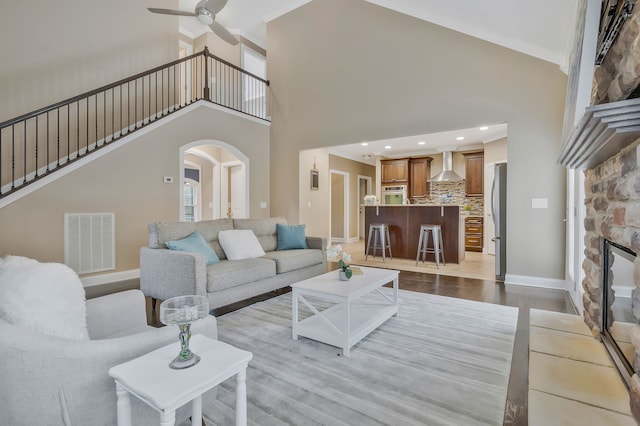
column 344, row 270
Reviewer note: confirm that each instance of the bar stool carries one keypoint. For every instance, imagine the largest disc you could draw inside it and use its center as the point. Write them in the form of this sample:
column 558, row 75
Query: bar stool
column 423, row 243
column 380, row 233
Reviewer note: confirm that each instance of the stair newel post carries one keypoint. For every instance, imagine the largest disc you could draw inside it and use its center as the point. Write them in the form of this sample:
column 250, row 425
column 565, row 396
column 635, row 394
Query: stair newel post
column 206, row 73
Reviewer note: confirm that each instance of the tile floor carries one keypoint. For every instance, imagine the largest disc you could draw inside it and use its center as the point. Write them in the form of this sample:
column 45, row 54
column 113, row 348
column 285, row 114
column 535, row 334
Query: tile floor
column 571, row 378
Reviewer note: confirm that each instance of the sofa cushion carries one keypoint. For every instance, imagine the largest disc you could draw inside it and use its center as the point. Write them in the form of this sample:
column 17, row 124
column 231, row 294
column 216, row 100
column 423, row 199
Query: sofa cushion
column 291, row 237
column 240, row 244
column 210, row 230
column 231, row 273
column 161, row 232
column 194, row 243
column 264, row 229
column 292, row 260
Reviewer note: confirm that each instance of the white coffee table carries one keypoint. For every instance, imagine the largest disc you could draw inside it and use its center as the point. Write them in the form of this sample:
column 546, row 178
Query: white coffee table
column 150, row 379
column 350, row 319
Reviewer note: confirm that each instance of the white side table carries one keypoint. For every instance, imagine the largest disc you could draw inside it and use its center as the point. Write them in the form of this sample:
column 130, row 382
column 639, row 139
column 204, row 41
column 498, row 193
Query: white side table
column 150, row 379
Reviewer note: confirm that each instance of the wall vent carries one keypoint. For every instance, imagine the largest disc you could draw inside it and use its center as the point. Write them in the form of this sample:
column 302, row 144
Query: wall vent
column 89, row 242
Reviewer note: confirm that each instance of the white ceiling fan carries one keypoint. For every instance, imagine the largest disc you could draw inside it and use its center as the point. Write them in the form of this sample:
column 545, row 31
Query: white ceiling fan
column 205, row 12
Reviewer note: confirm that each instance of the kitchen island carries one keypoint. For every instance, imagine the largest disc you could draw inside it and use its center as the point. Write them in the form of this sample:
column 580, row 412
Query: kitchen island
column 404, row 228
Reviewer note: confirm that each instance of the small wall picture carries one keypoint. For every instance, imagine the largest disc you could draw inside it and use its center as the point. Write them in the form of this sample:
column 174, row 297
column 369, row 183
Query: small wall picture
column 315, row 178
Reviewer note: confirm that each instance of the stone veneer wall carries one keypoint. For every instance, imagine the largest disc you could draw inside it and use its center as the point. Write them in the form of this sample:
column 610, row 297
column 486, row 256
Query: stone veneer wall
column 457, row 189
column 619, row 74
column 612, row 192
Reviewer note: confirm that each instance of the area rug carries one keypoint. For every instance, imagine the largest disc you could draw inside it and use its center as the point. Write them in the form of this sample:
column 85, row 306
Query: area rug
column 442, row 361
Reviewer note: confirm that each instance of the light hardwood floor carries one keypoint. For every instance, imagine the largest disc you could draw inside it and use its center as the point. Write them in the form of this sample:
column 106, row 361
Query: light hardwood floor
column 426, row 281
column 475, row 265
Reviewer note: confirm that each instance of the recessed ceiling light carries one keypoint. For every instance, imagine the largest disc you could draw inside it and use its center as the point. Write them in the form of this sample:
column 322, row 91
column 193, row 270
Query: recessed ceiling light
column 459, row 138
column 387, row 147
column 421, row 143
column 484, row 128
column 364, row 144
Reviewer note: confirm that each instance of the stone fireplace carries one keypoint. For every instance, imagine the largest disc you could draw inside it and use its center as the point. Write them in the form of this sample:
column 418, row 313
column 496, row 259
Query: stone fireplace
column 606, row 145
column 612, row 191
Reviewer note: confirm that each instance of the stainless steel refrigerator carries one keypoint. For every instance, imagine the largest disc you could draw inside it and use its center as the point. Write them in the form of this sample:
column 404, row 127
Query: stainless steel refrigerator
column 499, row 214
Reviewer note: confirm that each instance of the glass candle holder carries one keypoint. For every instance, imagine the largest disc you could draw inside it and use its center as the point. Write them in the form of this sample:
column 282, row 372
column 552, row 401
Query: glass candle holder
column 183, row 311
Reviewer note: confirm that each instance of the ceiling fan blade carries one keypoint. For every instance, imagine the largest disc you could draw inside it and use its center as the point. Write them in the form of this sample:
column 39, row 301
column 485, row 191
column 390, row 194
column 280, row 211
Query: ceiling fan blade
column 215, row 6
column 170, row 12
column 223, row 33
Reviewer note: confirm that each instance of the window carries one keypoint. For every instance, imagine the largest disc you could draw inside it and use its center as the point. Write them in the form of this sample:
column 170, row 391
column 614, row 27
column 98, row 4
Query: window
column 191, row 188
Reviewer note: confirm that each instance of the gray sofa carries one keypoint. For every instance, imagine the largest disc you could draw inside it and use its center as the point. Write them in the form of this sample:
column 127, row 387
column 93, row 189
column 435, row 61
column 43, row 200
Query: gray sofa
column 168, row 273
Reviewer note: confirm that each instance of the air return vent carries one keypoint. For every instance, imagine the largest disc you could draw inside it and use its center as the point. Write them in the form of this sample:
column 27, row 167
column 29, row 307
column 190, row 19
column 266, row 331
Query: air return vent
column 89, row 242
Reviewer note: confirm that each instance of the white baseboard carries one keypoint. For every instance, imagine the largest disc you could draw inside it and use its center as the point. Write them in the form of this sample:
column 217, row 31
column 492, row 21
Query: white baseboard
column 528, row 281
column 110, row 277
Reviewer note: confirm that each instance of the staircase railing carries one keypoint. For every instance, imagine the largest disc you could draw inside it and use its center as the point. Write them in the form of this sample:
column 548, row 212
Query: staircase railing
column 37, row 144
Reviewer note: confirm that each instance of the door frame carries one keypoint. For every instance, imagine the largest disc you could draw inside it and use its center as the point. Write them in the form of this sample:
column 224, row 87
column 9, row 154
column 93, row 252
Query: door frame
column 369, row 180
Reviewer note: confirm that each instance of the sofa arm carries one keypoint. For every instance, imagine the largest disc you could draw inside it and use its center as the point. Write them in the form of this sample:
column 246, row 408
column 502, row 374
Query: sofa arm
column 50, row 378
column 169, row 273
column 116, row 313
column 318, row 243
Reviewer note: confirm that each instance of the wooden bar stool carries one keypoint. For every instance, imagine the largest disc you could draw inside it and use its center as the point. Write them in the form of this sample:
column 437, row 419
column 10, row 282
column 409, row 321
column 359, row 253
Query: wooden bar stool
column 423, row 243
column 381, row 239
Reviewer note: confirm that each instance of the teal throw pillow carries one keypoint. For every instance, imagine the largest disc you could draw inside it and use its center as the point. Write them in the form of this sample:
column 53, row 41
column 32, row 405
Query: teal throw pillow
column 291, row 237
column 194, row 243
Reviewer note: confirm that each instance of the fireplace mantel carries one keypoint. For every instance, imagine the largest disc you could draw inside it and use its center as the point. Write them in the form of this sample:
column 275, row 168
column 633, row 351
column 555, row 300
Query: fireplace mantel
column 601, row 133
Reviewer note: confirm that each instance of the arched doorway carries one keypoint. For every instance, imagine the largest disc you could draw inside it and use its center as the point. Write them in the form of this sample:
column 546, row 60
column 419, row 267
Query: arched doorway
column 223, row 180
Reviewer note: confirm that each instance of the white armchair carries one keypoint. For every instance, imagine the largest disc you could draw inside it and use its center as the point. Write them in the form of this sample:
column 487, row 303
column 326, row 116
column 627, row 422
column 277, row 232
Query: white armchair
column 49, row 380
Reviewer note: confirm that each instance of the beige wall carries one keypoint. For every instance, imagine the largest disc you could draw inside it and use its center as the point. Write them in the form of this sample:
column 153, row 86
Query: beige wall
column 337, row 205
column 218, row 47
column 53, row 50
column 353, row 168
column 378, row 74
column 129, row 182
column 495, row 151
column 314, row 203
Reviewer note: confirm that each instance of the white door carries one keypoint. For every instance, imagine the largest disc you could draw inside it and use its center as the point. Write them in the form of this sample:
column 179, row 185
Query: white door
column 237, row 197
column 233, row 190
column 489, row 227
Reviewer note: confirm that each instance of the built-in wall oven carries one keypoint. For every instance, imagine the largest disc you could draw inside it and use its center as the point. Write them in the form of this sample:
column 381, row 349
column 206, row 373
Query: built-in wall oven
column 396, row 194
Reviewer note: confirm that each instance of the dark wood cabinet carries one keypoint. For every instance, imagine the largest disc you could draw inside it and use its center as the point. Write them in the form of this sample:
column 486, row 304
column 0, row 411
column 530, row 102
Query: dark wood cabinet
column 404, row 228
column 473, row 233
column 474, row 174
column 395, row 171
column 419, row 174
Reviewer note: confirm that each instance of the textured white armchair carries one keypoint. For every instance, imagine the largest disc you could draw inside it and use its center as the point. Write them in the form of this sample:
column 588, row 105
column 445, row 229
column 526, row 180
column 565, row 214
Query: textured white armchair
column 49, row 380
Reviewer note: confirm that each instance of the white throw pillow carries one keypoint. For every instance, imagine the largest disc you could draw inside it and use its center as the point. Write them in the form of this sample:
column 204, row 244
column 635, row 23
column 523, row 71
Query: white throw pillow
column 45, row 297
column 240, row 244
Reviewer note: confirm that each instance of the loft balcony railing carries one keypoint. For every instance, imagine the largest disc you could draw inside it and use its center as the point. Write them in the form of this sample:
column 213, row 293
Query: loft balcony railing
column 37, row 144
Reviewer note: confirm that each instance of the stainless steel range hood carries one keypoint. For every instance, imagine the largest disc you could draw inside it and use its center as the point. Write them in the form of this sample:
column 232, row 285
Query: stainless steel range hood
column 447, row 174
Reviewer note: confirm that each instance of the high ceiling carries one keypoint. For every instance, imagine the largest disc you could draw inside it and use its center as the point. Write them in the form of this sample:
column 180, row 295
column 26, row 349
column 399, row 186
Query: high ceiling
column 540, row 28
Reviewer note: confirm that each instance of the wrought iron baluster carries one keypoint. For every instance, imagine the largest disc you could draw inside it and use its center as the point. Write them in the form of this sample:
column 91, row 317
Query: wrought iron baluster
column 13, row 156
column 95, row 111
column 58, row 135
column 36, row 146
column 24, row 159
